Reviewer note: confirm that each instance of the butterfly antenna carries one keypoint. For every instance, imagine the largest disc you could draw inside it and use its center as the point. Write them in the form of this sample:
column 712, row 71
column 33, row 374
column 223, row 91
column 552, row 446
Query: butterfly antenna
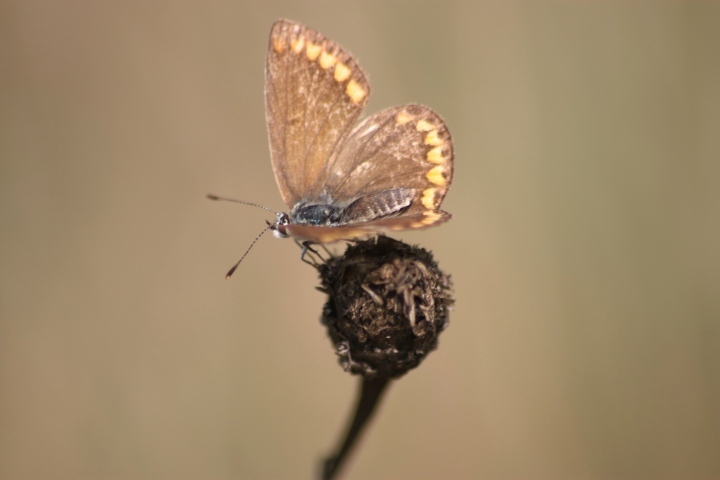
column 225, row 199
column 232, row 270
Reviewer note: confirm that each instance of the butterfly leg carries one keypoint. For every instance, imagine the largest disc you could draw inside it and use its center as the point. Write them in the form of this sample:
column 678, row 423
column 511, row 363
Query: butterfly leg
column 329, row 253
column 307, row 248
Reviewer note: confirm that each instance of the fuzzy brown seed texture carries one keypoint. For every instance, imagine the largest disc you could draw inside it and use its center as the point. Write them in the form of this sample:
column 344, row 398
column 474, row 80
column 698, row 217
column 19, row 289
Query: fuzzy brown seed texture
column 387, row 304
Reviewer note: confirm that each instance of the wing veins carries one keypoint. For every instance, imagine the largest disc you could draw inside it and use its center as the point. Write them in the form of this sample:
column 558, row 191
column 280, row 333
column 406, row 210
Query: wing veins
column 340, row 138
column 360, row 158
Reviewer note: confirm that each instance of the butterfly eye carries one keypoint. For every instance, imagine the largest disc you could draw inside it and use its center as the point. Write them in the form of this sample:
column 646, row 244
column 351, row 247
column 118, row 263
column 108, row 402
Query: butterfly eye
column 278, row 227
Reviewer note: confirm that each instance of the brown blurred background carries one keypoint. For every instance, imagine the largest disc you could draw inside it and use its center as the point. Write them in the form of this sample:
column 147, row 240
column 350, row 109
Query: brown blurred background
column 585, row 343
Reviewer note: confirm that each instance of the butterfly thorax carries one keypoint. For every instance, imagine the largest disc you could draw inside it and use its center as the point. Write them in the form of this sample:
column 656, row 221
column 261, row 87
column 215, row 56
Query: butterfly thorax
column 317, row 214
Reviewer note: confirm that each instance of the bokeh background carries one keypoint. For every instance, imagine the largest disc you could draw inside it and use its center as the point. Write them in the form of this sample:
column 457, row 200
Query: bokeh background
column 585, row 343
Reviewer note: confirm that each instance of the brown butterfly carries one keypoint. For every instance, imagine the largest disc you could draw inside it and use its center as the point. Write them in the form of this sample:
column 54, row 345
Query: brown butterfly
column 340, row 180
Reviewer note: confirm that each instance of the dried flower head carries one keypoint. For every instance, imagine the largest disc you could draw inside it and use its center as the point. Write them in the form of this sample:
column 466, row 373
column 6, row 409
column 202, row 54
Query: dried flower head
column 387, row 304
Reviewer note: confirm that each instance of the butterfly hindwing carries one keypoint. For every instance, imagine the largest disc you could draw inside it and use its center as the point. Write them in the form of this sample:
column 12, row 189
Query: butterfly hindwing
column 392, row 174
column 406, row 147
column 323, row 234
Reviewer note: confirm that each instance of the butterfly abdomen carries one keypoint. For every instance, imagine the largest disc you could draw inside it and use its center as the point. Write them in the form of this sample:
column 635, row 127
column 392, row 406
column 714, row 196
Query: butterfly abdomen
column 373, row 206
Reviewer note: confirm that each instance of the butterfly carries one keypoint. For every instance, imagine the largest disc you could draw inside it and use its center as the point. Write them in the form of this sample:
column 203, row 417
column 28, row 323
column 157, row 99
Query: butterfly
column 342, row 180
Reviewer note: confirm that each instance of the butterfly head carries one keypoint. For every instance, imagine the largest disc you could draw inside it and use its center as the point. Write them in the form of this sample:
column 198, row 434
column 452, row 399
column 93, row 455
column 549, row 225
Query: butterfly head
column 279, row 228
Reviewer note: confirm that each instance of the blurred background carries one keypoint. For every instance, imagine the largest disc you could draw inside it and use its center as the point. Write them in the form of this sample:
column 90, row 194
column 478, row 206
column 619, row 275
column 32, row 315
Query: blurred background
column 585, row 343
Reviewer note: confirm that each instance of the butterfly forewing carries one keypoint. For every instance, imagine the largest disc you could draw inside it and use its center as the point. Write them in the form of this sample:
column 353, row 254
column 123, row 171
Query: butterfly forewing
column 314, row 93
